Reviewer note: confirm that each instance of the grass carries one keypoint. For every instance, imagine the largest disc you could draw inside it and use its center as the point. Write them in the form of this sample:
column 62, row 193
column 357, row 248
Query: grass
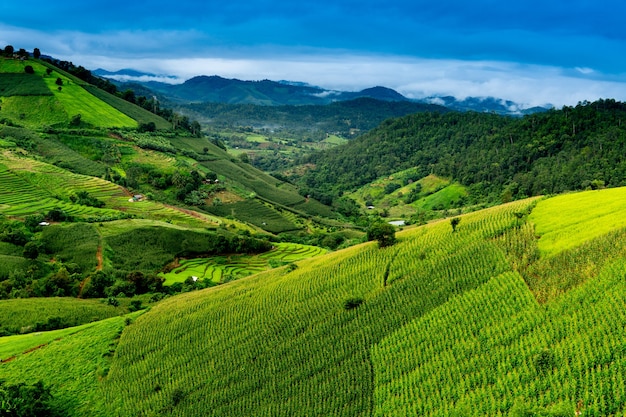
column 568, row 220
column 494, row 350
column 74, row 243
column 256, row 213
column 22, row 314
column 29, row 187
column 76, row 100
column 444, row 325
column 282, row 342
column 253, row 179
column 50, row 112
column 71, row 361
column 135, row 112
column 442, row 199
column 55, row 107
column 336, row 140
column 12, row 263
column 151, row 248
column 22, row 85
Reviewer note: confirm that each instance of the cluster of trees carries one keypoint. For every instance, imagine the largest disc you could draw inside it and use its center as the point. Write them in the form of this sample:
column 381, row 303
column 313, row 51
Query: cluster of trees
column 25, row 400
column 9, row 51
column 187, row 186
column 498, row 158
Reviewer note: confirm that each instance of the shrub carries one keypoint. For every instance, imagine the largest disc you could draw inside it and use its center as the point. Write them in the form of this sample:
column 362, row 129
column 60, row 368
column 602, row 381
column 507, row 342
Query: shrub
column 454, row 222
column 135, row 305
column 352, row 303
column 384, row 233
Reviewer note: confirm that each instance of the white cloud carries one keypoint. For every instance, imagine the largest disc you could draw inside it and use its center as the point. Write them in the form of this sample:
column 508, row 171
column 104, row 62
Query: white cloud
column 162, row 53
column 415, row 78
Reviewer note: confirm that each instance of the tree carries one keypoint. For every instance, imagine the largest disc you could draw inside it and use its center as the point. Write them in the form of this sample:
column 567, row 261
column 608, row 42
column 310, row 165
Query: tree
column 31, row 250
column 36, row 53
column 76, row 119
column 454, row 222
column 59, row 81
column 384, row 233
column 8, row 50
column 28, row 69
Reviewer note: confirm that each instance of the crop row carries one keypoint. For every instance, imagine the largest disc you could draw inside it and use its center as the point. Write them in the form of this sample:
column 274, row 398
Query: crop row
column 483, row 352
column 283, row 342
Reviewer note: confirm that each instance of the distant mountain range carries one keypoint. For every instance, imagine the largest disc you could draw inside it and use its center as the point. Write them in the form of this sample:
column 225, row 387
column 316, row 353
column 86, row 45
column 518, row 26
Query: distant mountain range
column 216, row 89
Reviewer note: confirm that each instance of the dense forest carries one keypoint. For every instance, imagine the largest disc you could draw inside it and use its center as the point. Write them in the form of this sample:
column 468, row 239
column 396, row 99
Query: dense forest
column 498, row 158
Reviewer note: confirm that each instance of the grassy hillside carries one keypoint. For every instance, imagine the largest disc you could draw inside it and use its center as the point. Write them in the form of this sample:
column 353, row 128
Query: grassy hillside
column 23, row 315
column 57, row 97
column 442, row 323
column 70, row 361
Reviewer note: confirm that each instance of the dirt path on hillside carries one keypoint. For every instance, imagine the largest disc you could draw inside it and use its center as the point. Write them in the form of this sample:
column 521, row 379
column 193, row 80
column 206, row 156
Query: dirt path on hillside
column 99, row 258
column 191, row 213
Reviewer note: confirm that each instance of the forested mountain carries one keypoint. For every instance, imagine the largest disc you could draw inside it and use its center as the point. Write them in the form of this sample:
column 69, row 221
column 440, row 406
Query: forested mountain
column 218, row 89
column 497, row 157
column 341, row 117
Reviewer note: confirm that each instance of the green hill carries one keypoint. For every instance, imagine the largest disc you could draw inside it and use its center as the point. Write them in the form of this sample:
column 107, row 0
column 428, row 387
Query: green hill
column 57, row 97
column 97, row 192
column 497, row 158
column 484, row 320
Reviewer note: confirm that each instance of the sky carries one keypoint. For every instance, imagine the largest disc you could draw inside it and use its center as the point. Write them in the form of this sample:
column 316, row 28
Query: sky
column 533, row 52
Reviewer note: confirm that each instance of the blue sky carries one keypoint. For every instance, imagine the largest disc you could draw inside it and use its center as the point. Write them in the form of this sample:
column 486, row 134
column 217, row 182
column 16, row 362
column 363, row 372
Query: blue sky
column 533, row 52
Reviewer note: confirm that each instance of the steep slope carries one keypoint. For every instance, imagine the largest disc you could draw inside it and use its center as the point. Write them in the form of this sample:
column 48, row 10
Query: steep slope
column 64, row 100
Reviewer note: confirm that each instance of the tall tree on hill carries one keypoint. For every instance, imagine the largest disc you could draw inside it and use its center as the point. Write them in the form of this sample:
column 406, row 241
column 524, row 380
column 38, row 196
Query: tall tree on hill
column 384, row 233
column 8, row 50
column 36, row 53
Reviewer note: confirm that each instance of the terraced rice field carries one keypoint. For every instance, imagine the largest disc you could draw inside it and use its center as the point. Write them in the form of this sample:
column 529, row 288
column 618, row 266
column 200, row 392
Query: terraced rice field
column 226, row 268
column 29, row 187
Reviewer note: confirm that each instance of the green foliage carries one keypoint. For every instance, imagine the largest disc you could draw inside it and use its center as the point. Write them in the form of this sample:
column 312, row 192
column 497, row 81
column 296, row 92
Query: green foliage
column 314, row 357
column 543, row 153
column 384, row 233
column 141, row 115
column 454, row 222
column 83, row 198
column 352, row 303
column 23, row 400
column 257, row 213
column 30, row 314
column 31, row 250
column 149, row 249
column 74, row 243
column 219, row 269
column 72, row 362
column 14, row 232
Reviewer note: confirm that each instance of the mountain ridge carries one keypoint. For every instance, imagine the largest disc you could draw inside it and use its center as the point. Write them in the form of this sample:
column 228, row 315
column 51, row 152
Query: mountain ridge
column 214, row 88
